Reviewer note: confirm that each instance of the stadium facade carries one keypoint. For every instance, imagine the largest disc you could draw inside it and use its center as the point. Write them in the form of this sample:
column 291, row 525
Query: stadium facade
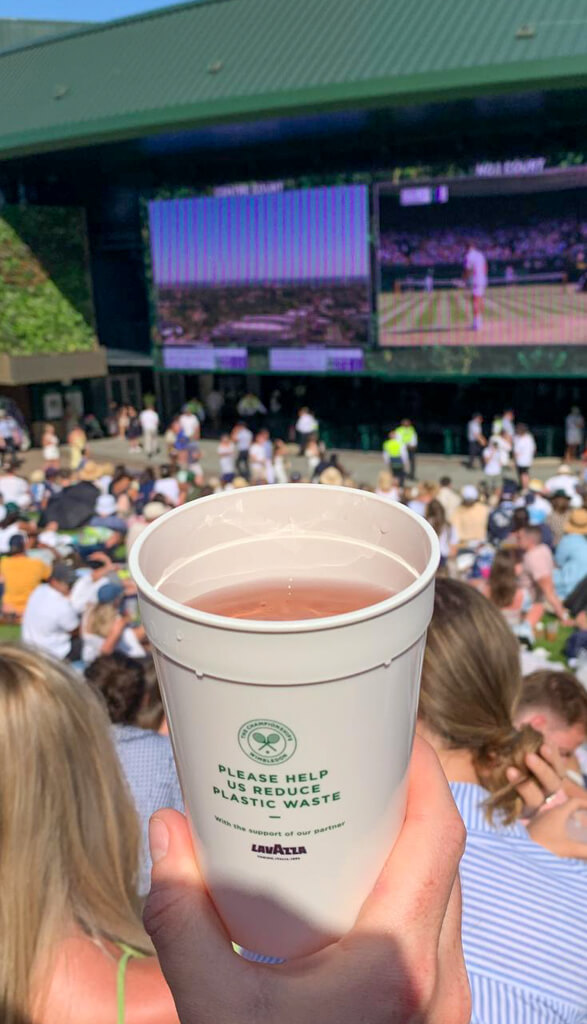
column 204, row 95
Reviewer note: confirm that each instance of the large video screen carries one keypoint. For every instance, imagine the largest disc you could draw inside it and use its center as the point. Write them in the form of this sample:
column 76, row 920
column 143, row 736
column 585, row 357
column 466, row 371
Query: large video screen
column 276, row 268
column 498, row 260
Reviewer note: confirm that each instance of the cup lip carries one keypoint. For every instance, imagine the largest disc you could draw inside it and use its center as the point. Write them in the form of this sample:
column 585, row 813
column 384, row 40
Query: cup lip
column 370, row 611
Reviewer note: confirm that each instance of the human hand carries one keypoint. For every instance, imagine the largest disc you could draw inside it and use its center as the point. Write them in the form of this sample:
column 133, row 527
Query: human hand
column 550, row 829
column 401, row 962
column 546, row 779
column 543, row 779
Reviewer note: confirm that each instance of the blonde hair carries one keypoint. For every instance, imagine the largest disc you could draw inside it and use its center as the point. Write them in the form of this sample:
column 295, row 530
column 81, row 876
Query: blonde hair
column 384, row 480
column 428, row 489
column 99, row 618
column 69, row 832
column 471, row 684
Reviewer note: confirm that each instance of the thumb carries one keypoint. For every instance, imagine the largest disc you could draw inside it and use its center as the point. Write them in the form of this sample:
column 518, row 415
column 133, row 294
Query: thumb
column 179, row 914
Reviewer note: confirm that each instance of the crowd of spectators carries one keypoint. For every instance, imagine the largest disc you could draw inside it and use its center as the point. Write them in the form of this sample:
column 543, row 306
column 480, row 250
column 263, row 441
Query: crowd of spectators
column 550, row 239
column 86, row 760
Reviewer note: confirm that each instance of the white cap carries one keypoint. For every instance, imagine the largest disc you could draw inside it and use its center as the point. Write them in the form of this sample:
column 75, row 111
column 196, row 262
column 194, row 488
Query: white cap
column 154, row 509
column 49, row 538
column 106, row 505
column 469, row 492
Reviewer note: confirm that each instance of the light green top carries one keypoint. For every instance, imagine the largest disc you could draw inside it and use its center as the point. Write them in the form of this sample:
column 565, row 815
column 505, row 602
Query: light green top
column 128, row 953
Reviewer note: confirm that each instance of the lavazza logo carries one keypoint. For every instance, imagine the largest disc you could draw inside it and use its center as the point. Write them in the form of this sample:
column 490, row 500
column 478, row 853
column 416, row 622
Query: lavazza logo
column 278, row 850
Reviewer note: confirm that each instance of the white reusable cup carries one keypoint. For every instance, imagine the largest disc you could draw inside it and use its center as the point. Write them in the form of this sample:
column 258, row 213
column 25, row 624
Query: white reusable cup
column 292, row 739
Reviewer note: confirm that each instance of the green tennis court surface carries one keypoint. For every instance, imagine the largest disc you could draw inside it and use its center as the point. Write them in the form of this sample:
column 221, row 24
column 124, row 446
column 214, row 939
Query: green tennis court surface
column 518, row 315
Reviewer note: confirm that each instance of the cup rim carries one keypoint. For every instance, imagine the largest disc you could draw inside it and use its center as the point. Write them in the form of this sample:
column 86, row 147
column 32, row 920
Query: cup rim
column 370, row 611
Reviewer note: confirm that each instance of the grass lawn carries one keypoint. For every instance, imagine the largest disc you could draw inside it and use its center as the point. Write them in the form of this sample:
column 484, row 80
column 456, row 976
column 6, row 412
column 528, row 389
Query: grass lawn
column 9, row 634
column 556, row 647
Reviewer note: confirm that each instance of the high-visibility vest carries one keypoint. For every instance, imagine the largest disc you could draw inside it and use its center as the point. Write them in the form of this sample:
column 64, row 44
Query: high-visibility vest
column 393, row 448
column 407, row 435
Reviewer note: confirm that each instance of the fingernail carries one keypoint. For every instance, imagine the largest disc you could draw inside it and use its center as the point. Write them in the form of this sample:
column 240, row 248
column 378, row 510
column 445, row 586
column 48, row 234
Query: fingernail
column 546, row 749
column 513, row 774
column 158, row 839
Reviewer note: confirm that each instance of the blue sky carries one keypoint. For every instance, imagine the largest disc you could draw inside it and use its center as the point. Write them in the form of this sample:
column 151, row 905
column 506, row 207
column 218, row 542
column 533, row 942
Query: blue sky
column 77, row 10
column 310, row 234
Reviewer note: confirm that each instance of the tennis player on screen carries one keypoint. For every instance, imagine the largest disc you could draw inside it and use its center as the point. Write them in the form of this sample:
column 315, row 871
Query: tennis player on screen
column 476, row 278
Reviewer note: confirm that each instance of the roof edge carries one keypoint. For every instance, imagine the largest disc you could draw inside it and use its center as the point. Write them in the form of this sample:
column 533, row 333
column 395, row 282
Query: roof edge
column 458, row 83
column 92, row 27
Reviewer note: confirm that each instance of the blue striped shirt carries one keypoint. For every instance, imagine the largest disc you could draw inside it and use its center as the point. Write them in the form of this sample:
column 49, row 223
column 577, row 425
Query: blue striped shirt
column 147, row 762
column 524, row 923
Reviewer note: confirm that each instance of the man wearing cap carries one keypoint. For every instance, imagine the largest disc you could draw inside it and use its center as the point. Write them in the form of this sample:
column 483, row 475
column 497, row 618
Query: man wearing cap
column 539, row 508
column 49, row 622
column 85, row 589
column 570, row 574
column 20, row 575
column 470, row 518
column 500, row 519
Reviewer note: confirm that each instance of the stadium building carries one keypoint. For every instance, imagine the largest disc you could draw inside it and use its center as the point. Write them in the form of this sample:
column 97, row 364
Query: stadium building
column 285, row 197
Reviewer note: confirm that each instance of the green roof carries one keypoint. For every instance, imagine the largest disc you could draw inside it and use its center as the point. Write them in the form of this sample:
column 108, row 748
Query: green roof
column 14, row 32
column 204, row 63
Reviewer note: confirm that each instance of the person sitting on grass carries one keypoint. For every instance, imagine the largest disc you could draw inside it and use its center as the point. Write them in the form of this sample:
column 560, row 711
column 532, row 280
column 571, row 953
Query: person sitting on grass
column 538, row 569
column 105, row 628
column 146, row 756
column 447, row 534
column 470, row 518
column 49, row 622
column 20, row 575
column 558, row 517
column 513, row 600
column 167, row 487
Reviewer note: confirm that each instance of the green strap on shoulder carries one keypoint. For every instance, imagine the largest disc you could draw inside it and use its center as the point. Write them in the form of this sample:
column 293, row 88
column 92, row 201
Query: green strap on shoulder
column 128, row 953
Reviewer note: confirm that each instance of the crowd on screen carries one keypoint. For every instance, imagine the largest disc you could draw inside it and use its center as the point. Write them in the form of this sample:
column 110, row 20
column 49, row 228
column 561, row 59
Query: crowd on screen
column 509, row 725
column 549, row 238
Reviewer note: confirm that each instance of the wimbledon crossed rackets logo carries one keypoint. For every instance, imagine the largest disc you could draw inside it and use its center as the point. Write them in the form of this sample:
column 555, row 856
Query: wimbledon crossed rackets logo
column 267, row 741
